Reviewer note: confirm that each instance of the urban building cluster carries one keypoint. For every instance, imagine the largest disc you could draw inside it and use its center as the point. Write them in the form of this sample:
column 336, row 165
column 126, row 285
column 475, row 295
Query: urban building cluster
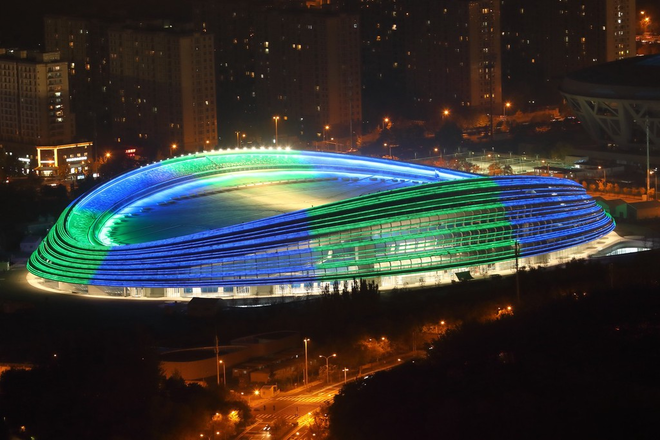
column 308, row 71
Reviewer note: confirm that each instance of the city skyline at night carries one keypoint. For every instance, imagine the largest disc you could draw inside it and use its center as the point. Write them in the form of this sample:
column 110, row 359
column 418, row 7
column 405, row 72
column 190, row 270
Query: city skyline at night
column 410, row 60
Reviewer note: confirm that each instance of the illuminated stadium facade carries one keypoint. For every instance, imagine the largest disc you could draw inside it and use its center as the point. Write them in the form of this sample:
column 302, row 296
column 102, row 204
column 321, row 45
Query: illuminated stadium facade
column 273, row 222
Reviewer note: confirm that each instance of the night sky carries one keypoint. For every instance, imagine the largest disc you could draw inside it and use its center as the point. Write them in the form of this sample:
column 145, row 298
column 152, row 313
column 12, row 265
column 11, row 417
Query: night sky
column 27, row 32
column 23, row 26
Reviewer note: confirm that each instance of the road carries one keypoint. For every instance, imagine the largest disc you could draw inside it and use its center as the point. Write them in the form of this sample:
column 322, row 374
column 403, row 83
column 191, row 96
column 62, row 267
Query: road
column 296, row 407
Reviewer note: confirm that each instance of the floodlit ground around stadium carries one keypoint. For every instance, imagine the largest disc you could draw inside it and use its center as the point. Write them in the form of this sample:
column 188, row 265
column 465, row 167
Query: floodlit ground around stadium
column 229, row 200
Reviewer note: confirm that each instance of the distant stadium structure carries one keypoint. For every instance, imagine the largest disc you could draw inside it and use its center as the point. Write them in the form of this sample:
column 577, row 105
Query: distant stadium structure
column 617, row 101
column 249, row 223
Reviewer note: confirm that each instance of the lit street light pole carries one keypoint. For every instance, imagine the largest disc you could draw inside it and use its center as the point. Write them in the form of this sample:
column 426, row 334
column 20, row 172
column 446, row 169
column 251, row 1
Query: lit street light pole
column 172, row 147
column 327, row 366
column 648, row 161
column 217, row 360
column 224, row 374
column 238, row 139
column 345, row 370
column 604, row 175
column 506, row 106
column 306, row 340
column 276, row 118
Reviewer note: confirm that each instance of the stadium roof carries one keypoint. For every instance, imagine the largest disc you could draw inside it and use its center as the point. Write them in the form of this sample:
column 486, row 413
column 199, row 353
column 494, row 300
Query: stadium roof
column 229, row 219
column 631, row 78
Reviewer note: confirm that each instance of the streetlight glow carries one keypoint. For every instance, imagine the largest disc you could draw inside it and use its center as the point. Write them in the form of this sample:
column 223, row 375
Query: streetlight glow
column 276, row 119
column 306, row 340
column 327, row 366
column 604, row 175
column 224, row 374
column 507, row 105
column 325, row 132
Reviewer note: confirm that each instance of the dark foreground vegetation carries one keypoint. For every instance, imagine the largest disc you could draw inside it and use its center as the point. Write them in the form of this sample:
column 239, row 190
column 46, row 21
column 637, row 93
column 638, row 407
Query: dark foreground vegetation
column 109, row 386
column 574, row 363
column 578, row 357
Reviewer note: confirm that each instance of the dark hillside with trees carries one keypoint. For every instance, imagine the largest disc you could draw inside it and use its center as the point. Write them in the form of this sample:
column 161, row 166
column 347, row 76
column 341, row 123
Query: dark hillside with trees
column 582, row 366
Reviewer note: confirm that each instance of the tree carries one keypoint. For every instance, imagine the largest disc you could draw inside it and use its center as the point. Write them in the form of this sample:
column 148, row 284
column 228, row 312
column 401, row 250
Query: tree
column 9, row 165
column 450, row 134
column 494, row 169
column 111, row 384
column 117, row 164
column 375, row 349
column 561, row 150
column 319, row 426
column 63, row 171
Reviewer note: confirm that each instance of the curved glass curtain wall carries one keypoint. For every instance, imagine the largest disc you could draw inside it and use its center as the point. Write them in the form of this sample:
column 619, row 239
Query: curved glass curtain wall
column 446, row 220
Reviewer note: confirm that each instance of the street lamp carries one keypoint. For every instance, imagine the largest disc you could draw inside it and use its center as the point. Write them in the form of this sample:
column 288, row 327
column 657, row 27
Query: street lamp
column 386, row 122
column 325, row 132
column 238, row 139
column 172, row 148
column 445, row 113
column 506, row 106
column 604, row 175
column 276, row 118
column 306, row 340
column 327, row 365
column 345, row 370
column 644, row 22
column 256, row 393
column 224, row 374
column 648, row 161
column 390, row 146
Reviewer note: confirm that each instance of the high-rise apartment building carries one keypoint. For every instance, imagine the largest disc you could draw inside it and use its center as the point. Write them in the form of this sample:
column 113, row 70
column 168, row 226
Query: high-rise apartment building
column 233, row 24
column 83, row 44
column 34, row 99
column 383, row 54
column 453, row 56
column 308, row 73
column 546, row 39
column 162, row 88
column 485, row 56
